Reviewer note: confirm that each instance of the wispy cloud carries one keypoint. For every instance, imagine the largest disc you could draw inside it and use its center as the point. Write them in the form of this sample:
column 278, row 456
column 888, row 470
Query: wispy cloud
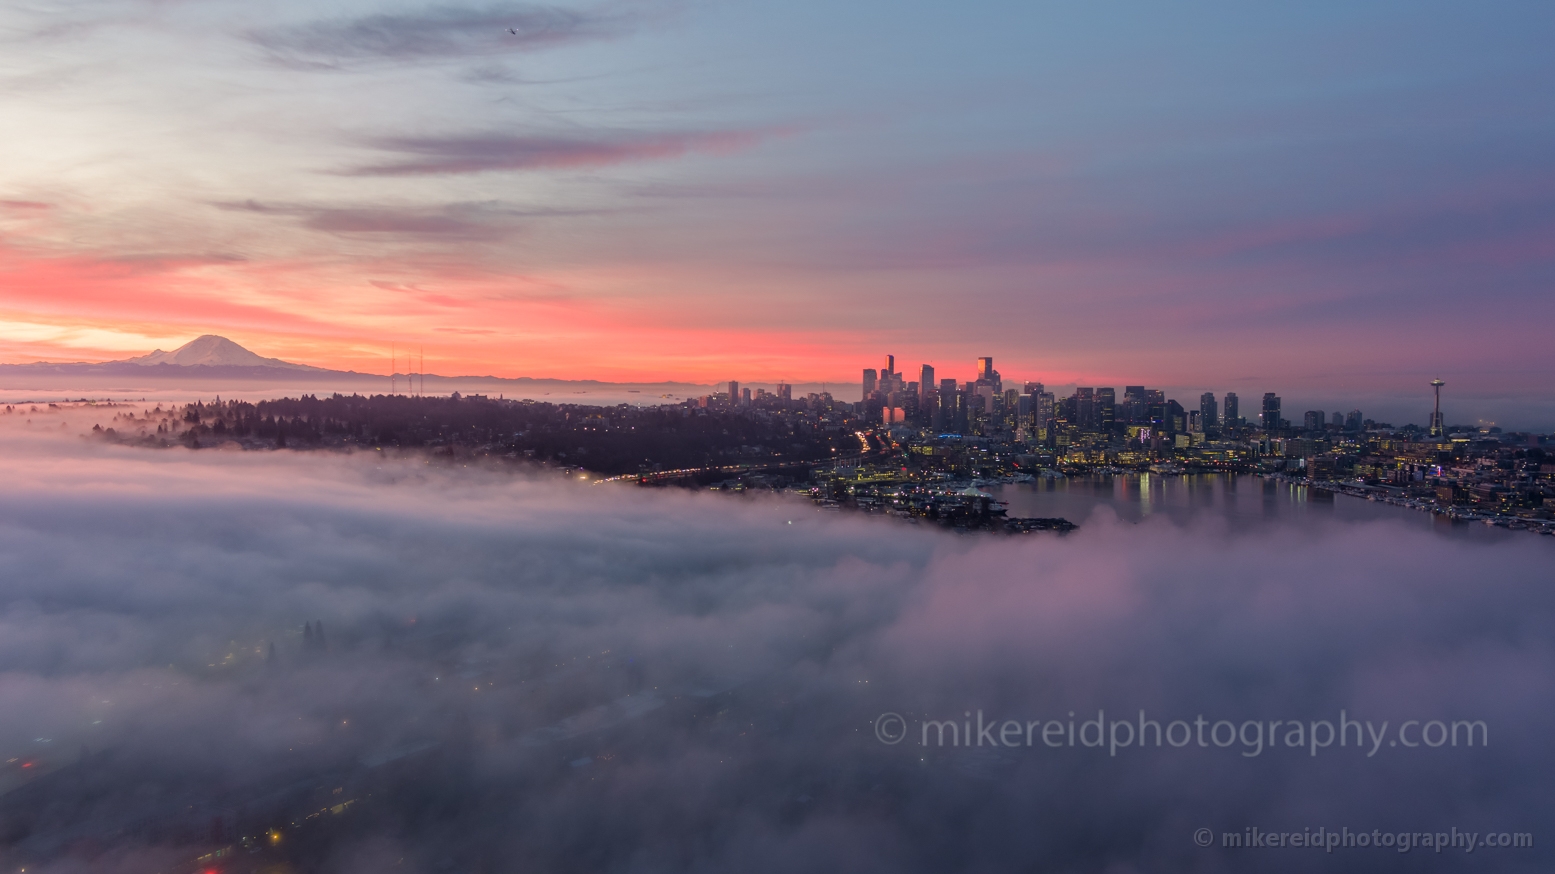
column 468, row 221
column 459, row 220
column 443, row 32
column 479, row 153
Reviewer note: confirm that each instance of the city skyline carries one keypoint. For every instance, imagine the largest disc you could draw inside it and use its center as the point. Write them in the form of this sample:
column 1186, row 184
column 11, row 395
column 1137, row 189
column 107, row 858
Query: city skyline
column 215, row 350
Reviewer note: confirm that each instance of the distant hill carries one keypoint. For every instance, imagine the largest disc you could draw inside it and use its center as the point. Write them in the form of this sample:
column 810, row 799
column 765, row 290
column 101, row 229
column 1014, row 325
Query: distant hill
column 213, row 351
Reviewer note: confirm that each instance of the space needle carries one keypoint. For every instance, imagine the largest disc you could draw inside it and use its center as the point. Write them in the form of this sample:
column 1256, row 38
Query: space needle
column 1436, row 416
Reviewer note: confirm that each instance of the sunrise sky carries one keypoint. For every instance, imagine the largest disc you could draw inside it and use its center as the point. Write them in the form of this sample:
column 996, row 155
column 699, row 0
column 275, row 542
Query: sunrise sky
column 1332, row 194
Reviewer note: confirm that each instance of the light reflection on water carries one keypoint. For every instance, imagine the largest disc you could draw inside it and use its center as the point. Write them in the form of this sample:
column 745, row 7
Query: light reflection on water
column 1241, row 500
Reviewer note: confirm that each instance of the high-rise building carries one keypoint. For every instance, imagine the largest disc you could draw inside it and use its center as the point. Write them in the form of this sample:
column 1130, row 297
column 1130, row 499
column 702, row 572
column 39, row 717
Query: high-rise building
column 925, row 381
column 1134, row 405
column 1338, row 419
column 734, row 393
column 745, row 397
column 1209, row 412
column 1233, row 413
column 870, row 382
column 1085, row 408
column 983, row 395
column 1313, row 421
column 1176, row 418
column 1271, row 411
column 1106, row 408
column 1353, row 421
column 985, row 371
column 949, row 405
column 890, row 365
column 1045, row 413
column 785, row 391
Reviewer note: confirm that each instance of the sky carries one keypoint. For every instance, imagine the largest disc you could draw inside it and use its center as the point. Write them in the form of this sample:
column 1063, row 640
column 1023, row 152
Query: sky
column 665, row 680
column 1333, row 199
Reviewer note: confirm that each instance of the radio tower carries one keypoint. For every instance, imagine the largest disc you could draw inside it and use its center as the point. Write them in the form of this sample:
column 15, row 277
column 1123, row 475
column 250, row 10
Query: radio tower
column 394, row 361
column 1436, row 415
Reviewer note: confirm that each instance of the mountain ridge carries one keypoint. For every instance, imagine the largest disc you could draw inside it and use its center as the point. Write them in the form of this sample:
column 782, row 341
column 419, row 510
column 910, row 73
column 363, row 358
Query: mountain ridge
column 212, row 350
column 211, row 356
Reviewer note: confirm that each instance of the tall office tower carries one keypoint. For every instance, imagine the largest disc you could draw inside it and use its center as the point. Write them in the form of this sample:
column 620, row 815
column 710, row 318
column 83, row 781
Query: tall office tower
column 785, row 391
column 1271, row 411
column 1045, row 410
column 1133, row 404
column 985, row 371
column 1353, row 421
column 948, row 402
column 890, row 364
column 1338, row 420
column 926, row 381
column 1085, row 408
column 1195, row 421
column 969, row 414
column 869, row 382
column 1034, row 388
column 1106, row 408
column 1155, row 408
column 1064, row 410
column 1209, row 412
column 1436, row 414
column 745, row 397
column 734, row 393
column 1176, row 418
column 1233, row 414
column 1313, row 421
column 984, row 398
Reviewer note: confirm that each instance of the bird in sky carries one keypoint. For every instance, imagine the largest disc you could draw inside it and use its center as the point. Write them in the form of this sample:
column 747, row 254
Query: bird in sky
column 513, row 30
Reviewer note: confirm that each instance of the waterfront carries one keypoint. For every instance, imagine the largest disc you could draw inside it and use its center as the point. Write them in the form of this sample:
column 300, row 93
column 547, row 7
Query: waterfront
column 1239, row 501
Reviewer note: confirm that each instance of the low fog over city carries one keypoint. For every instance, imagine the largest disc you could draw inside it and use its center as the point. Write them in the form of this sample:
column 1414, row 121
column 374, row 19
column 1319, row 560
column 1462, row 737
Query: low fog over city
column 373, row 662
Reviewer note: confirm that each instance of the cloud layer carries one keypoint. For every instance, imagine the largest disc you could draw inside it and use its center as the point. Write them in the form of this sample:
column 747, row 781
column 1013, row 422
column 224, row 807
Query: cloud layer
column 439, row 32
column 481, row 153
column 523, row 671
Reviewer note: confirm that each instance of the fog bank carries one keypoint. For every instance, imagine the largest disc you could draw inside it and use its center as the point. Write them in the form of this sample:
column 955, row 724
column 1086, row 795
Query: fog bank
column 522, row 671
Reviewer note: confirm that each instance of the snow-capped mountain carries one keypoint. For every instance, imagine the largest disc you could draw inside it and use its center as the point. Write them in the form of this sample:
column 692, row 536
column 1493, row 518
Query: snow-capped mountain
column 212, row 351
